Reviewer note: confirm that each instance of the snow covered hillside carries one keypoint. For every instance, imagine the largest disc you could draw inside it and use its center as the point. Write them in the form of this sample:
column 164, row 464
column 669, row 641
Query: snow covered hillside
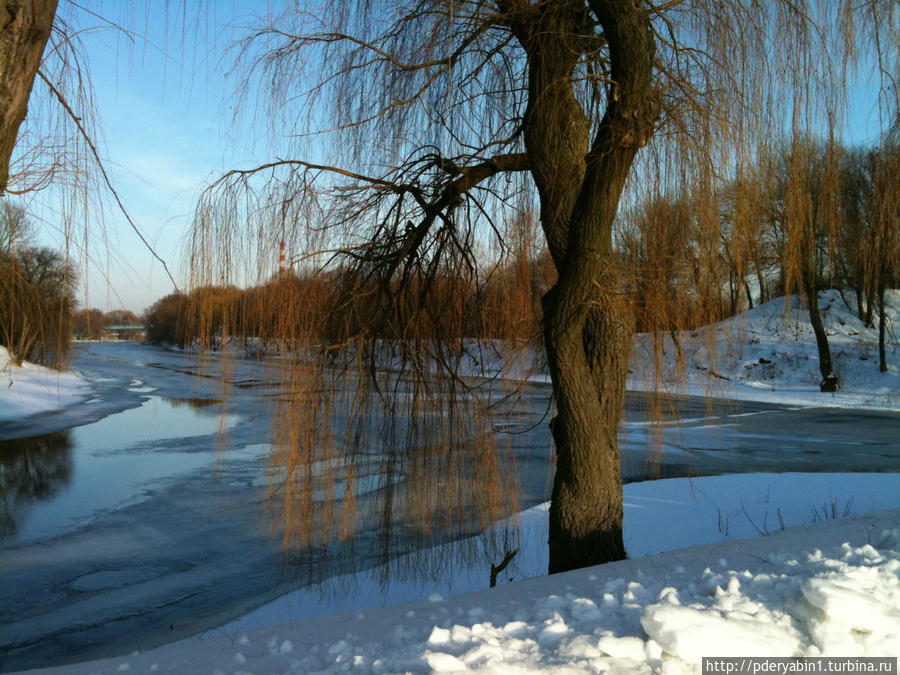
column 769, row 354
column 29, row 389
column 827, row 588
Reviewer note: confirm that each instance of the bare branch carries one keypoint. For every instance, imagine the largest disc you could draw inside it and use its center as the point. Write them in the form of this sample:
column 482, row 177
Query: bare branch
column 100, row 165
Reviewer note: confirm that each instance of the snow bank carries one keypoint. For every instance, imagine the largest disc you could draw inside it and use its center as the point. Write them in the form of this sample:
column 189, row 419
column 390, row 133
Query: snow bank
column 662, row 515
column 769, row 354
column 30, row 389
column 831, row 588
column 766, row 354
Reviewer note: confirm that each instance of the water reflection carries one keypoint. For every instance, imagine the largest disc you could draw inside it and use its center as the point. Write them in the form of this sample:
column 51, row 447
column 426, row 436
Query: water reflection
column 116, row 461
column 31, row 469
column 192, row 402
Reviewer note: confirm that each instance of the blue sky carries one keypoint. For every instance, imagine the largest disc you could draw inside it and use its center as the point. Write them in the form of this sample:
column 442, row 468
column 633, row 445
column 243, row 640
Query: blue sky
column 167, row 129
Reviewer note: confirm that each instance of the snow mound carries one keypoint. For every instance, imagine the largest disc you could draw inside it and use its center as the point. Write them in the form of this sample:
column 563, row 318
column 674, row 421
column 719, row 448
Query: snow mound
column 831, row 589
column 30, row 389
column 769, row 353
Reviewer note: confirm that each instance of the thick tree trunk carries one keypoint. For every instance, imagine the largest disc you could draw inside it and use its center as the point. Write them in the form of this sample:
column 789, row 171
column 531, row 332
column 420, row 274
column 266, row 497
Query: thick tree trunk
column 587, row 328
column 588, row 354
column 587, row 323
column 24, row 31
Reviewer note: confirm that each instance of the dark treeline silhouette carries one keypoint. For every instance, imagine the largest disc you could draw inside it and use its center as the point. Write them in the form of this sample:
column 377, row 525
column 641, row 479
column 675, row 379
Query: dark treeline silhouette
column 91, row 323
column 332, row 306
column 809, row 217
column 37, row 293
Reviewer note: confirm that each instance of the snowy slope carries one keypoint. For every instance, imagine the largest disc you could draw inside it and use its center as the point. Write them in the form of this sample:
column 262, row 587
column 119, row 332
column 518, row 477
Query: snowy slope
column 30, row 389
column 830, row 588
column 769, row 354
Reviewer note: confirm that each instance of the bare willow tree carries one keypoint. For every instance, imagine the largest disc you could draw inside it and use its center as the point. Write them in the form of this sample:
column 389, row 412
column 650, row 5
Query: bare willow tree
column 806, row 201
column 411, row 133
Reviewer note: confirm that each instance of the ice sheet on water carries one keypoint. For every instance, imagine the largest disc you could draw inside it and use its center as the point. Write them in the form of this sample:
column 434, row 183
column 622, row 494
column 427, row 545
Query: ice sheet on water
column 831, row 589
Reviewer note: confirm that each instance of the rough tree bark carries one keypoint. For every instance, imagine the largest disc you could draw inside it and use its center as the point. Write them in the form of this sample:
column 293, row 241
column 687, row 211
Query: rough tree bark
column 24, row 31
column 587, row 323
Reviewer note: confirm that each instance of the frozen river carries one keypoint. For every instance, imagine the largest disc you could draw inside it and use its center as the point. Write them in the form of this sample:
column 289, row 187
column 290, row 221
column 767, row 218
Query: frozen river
column 128, row 521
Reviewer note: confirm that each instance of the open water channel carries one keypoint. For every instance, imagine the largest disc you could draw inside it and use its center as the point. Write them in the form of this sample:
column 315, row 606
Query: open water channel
column 129, row 520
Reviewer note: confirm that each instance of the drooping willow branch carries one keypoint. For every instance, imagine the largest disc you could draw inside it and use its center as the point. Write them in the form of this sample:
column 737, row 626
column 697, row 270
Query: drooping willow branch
column 102, row 168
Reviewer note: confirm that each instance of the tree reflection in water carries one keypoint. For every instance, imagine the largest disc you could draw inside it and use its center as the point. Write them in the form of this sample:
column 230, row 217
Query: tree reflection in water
column 31, row 469
column 193, row 402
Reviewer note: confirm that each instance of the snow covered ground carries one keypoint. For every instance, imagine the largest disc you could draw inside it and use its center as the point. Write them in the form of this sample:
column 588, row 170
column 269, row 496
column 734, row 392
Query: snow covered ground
column 812, row 586
column 769, row 354
column 30, row 389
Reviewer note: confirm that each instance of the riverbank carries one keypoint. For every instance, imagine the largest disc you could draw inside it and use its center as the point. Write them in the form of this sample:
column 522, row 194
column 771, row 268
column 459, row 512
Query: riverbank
column 816, row 584
column 693, row 442
column 30, row 389
column 768, row 354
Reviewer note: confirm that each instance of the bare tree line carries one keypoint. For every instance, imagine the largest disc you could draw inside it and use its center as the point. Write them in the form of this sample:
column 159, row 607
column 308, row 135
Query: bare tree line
column 37, row 293
column 807, row 216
